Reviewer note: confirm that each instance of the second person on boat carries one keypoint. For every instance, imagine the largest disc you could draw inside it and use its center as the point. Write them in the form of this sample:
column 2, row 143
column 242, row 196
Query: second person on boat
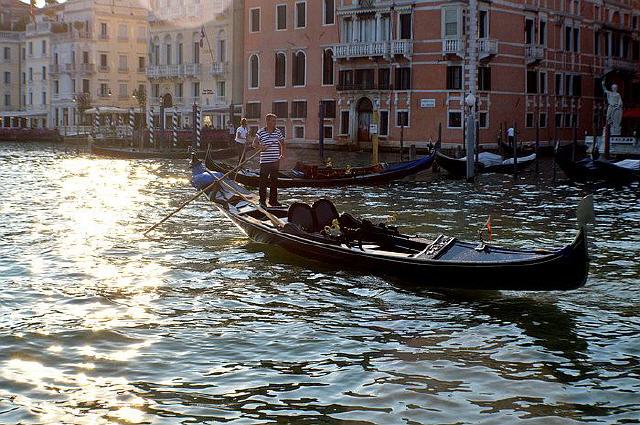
column 271, row 141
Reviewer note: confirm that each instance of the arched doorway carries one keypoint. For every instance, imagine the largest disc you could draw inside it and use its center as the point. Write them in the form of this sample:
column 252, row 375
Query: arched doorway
column 365, row 116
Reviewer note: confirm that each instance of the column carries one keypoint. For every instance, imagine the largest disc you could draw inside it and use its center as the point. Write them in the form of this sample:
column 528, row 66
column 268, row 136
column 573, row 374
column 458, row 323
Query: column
column 378, row 35
column 356, row 27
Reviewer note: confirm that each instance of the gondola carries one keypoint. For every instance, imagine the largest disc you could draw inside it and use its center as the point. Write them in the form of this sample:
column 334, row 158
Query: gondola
column 133, row 153
column 597, row 170
column 312, row 176
column 319, row 232
column 487, row 163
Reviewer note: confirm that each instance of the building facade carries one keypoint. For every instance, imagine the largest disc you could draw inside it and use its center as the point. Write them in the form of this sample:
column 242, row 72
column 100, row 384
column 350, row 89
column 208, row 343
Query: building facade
column 541, row 64
column 98, row 59
column 14, row 16
column 289, row 66
column 193, row 48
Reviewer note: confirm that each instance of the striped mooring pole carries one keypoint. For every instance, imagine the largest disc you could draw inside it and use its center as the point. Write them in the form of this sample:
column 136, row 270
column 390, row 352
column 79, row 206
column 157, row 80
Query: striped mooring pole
column 132, row 124
column 150, row 125
column 96, row 122
column 175, row 127
column 198, row 126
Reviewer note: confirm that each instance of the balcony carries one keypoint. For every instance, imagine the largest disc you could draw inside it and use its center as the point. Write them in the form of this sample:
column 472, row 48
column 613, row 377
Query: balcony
column 453, row 46
column 373, row 49
column 174, row 71
column 533, row 53
column 87, row 68
column 55, row 69
column 104, row 37
column 218, row 68
column 103, row 68
column 365, row 86
column 619, row 64
column 487, row 47
column 73, row 36
column 10, row 35
column 123, row 69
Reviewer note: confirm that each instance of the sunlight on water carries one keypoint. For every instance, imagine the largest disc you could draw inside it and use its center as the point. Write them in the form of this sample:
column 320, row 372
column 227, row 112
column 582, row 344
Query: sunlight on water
column 195, row 324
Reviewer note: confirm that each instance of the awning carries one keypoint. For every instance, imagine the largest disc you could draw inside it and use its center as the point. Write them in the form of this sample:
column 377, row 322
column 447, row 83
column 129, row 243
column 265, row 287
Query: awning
column 631, row 113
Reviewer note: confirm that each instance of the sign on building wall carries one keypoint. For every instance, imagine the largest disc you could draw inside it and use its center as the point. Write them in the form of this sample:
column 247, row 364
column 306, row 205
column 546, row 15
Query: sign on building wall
column 427, row 103
column 373, row 128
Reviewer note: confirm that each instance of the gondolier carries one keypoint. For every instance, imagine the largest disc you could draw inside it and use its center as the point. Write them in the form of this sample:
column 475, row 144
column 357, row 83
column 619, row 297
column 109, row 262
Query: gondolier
column 241, row 138
column 271, row 141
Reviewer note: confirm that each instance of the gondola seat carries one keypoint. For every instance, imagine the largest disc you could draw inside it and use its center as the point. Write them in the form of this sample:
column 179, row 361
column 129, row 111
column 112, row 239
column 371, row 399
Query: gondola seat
column 324, row 213
column 302, row 215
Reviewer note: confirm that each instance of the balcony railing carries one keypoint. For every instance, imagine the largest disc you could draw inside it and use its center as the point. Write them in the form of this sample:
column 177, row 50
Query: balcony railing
column 218, row 68
column 87, row 67
column 123, row 69
column 142, row 70
column 10, row 35
column 174, row 71
column 103, row 68
column 487, row 47
column 73, row 36
column 402, row 47
column 533, row 53
column 620, row 64
column 363, row 86
column 354, row 50
column 453, row 46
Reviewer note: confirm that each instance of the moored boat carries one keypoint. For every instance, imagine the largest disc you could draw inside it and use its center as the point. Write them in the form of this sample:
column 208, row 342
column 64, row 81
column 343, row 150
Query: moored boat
column 313, row 176
column 487, row 163
column 589, row 169
column 319, row 232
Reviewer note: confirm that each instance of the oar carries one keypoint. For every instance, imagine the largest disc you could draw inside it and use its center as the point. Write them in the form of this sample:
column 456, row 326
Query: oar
column 200, row 193
column 275, row 220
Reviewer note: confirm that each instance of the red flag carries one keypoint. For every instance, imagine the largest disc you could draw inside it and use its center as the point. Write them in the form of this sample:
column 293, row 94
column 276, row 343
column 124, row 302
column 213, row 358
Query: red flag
column 488, row 225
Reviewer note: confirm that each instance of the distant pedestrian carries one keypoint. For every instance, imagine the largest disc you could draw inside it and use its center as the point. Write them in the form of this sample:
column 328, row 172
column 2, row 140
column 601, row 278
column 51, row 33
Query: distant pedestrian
column 271, row 141
column 241, row 139
column 511, row 135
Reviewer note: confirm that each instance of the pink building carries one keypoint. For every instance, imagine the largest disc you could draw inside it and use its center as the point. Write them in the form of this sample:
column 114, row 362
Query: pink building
column 541, row 64
column 289, row 67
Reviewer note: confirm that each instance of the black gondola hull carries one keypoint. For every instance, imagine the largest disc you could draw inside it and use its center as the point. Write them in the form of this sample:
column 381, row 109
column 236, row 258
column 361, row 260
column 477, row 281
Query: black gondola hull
column 458, row 168
column 564, row 269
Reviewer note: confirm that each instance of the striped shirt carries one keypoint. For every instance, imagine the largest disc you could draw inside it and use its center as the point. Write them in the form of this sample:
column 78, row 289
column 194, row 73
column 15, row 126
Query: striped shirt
column 270, row 142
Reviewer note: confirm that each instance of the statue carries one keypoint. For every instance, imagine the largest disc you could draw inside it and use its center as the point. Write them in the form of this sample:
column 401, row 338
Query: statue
column 614, row 108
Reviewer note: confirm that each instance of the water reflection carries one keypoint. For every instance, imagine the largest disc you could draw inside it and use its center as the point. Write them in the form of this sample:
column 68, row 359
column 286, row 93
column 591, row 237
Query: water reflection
column 100, row 325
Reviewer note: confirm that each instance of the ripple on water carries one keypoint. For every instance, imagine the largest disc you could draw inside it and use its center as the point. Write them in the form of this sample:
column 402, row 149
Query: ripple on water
column 99, row 324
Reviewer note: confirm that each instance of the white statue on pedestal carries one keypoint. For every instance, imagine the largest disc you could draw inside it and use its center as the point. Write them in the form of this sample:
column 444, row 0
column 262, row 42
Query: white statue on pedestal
column 614, row 108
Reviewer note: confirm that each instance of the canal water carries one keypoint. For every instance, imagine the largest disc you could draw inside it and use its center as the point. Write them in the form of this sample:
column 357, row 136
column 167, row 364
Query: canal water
column 99, row 324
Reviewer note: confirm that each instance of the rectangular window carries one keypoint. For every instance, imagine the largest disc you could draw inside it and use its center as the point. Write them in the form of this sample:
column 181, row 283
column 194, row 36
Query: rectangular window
column 196, row 89
column 484, row 78
column 483, row 24
column 7, row 77
column 301, row 14
column 44, row 47
column 454, row 77
column 450, row 23
column 30, row 74
column 384, row 123
column 123, row 91
column 405, row 26
column 253, row 110
column 345, row 80
column 44, row 73
column 483, row 119
column 528, row 31
column 299, row 109
column 196, row 53
column 7, row 100
column 103, row 62
column 85, row 57
column 344, row 122
column 179, row 90
column 329, row 12
column 402, row 118
column 403, row 78
column 104, row 90
column 281, row 109
column 141, row 64
column 542, row 86
column 328, row 132
column 104, row 31
column 596, row 43
column 567, row 39
column 298, row 132
column 7, row 53
column 123, row 32
column 222, row 88
column 281, row 17
column 86, row 85
column 329, row 108
column 122, row 63
column 542, row 36
column 576, row 40
column 455, row 119
column 568, row 123
column 56, row 87
column 254, row 18
column 529, row 120
column 364, row 79
column 568, row 84
column 577, row 85
column 384, row 77
column 542, row 120
column 558, row 90
column 532, row 82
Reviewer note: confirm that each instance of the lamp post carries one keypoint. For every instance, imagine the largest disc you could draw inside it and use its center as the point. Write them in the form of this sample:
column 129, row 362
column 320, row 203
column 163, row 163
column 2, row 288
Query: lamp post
column 470, row 102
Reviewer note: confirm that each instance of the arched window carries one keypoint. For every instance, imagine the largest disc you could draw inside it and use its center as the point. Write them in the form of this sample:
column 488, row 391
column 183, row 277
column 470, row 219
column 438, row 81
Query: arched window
column 167, row 54
column 327, row 67
column 299, row 69
column 254, row 70
column 179, row 50
column 281, row 69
